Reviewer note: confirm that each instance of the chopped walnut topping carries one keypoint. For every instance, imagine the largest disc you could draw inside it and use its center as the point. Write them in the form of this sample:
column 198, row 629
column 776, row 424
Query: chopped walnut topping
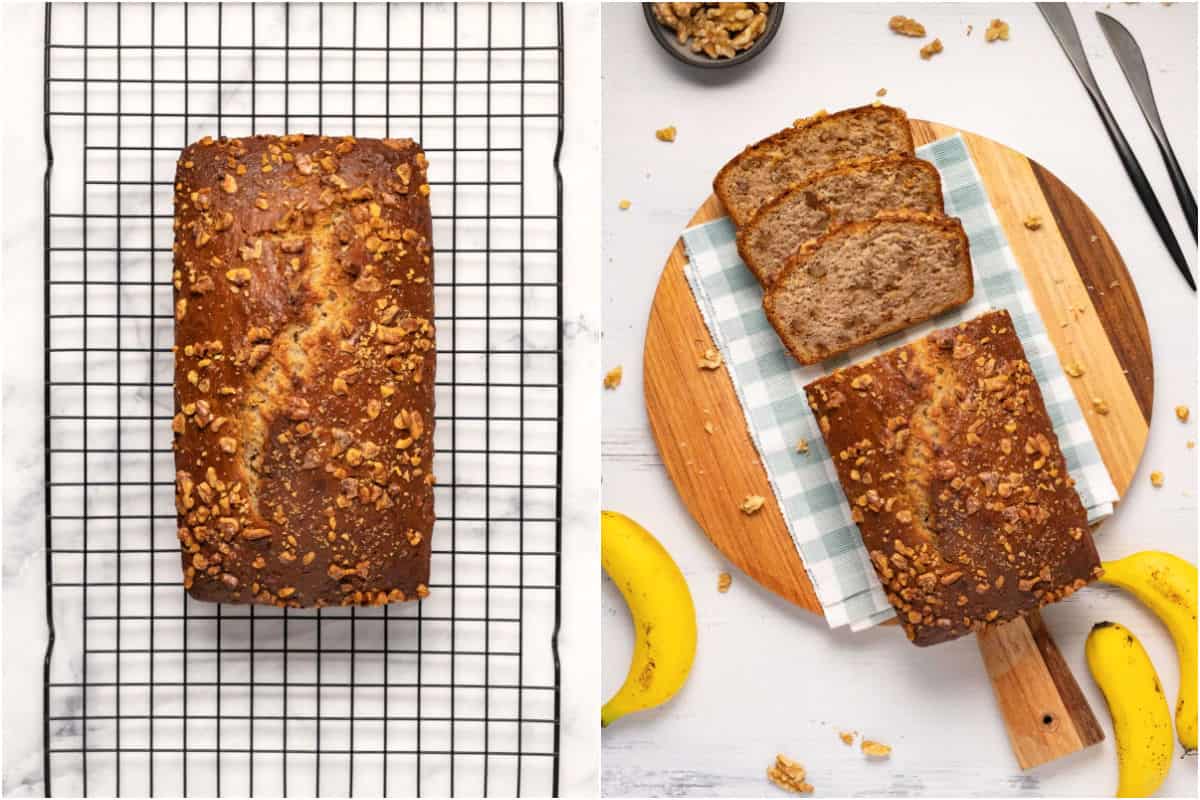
column 752, row 504
column 932, row 49
column 229, row 184
column 724, row 580
column 788, row 774
column 612, row 378
column 228, row 444
column 906, row 26
column 711, row 359
column 719, row 30
column 997, row 29
column 876, row 749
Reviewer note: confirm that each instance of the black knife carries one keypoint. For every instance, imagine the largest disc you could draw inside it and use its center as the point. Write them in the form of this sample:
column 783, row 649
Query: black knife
column 1058, row 16
column 1129, row 56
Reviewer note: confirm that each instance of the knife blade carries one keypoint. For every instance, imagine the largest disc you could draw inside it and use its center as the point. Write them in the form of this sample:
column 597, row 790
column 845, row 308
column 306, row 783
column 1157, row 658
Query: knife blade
column 1058, row 17
column 1133, row 64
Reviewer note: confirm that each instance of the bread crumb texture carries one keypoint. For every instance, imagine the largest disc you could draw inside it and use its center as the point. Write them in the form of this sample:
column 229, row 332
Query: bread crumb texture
column 612, row 378
column 906, row 26
column 304, row 370
column 719, row 30
column 789, row 775
column 932, row 49
column 955, row 479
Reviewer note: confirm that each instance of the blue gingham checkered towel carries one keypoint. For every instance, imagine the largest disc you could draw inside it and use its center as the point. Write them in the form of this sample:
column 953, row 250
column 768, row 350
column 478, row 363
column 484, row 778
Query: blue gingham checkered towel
column 770, row 386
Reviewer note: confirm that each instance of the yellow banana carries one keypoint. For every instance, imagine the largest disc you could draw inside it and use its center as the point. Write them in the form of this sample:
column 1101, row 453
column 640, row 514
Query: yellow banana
column 1141, row 718
column 1167, row 584
column 664, row 618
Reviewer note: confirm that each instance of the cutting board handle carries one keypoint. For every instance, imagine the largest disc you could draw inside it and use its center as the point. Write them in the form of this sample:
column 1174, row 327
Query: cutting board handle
column 1045, row 712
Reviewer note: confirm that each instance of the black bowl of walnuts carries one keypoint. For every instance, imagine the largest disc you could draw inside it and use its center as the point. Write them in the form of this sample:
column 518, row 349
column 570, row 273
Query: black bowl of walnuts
column 713, row 35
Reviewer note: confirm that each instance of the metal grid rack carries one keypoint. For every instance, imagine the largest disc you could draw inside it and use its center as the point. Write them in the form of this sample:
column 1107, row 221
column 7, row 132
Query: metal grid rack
column 148, row 692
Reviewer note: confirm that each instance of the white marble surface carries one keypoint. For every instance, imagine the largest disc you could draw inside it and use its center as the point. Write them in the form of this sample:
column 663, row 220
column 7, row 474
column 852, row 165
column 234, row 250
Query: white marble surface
column 23, row 526
column 768, row 678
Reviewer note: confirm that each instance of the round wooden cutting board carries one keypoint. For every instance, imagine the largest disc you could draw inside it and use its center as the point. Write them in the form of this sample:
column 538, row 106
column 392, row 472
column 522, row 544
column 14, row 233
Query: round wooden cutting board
column 1081, row 287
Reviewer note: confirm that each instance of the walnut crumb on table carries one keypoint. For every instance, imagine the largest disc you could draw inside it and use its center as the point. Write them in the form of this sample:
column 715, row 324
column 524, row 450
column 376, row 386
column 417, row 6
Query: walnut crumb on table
column 709, row 427
column 1156, row 479
column 997, row 29
column 624, row 205
column 710, row 360
column 752, row 504
column 1182, row 412
column 847, row 737
column 802, row 446
column 1073, row 369
column 788, row 774
column 906, row 26
column 1099, row 406
column 724, row 580
column 612, row 378
column 876, row 749
column 1033, row 222
column 881, row 93
column 666, row 134
column 932, row 49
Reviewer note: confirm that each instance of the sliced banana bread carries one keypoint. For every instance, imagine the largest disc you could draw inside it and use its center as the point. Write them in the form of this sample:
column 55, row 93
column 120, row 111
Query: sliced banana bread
column 854, row 191
column 770, row 167
column 866, row 279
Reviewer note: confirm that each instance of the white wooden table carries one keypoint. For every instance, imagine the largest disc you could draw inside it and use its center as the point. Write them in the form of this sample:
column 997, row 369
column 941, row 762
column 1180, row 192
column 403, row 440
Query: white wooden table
column 768, row 677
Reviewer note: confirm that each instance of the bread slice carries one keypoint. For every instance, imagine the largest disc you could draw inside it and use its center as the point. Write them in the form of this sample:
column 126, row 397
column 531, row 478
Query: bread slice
column 854, row 191
column 766, row 169
column 866, row 279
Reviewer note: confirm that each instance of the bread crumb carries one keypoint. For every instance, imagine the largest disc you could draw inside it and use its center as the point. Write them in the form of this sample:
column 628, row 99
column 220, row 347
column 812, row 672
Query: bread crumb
column 710, row 360
column 1182, row 412
column 876, row 103
column 881, row 92
column 752, row 504
column 932, row 49
column 876, row 749
column 1099, row 406
column 969, row 29
column 1190, row 444
column 802, row 446
column 723, row 582
column 997, row 29
column 1073, row 369
column 1033, row 222
column 1114, row 284
column 906, row 26
column 787, row 774
column 624, row 205
column 847, row 737
column 666, row 134
column 1156, row 479
column 612, row 378
column 708, row 426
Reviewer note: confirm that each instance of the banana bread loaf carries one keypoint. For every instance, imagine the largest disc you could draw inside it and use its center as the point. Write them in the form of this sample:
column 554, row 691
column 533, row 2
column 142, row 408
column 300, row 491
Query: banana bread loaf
column 854, row 191
column 304, row 370
column 955, row 479
column 766, row 169
column 863, row 280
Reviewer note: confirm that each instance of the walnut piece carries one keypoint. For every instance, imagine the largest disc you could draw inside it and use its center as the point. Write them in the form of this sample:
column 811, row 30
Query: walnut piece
column 724, row 580
column 931, row 49
column 719, row 30
column 876, row 749
column 788, row 774
column 666, row 134
column 1156, row 479
column 624, row 205
column 1033, row 222
column 847, row 737
column 710, row 360
column 997, row 29
column 752, row 504
column 612, row 378
column 906, row 26
column 1182, row 413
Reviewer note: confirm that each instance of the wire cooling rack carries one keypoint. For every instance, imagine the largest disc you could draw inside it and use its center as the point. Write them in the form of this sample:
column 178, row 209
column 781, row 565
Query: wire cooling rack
column 150, row 693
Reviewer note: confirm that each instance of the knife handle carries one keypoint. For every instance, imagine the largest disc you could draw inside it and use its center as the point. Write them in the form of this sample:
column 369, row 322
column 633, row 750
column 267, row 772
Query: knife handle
column 1184, row 192
column 1142, row 185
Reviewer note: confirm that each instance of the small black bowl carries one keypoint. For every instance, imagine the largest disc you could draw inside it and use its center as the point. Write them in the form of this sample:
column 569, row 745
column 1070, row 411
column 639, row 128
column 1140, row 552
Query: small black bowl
column 666, row 38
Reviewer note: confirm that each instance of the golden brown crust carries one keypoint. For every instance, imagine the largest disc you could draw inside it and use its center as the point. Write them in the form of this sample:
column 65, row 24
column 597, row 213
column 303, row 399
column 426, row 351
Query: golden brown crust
column 951, row 226
column 955, row 479
column 304, row 370
column 844, row 168
column 807, row 123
